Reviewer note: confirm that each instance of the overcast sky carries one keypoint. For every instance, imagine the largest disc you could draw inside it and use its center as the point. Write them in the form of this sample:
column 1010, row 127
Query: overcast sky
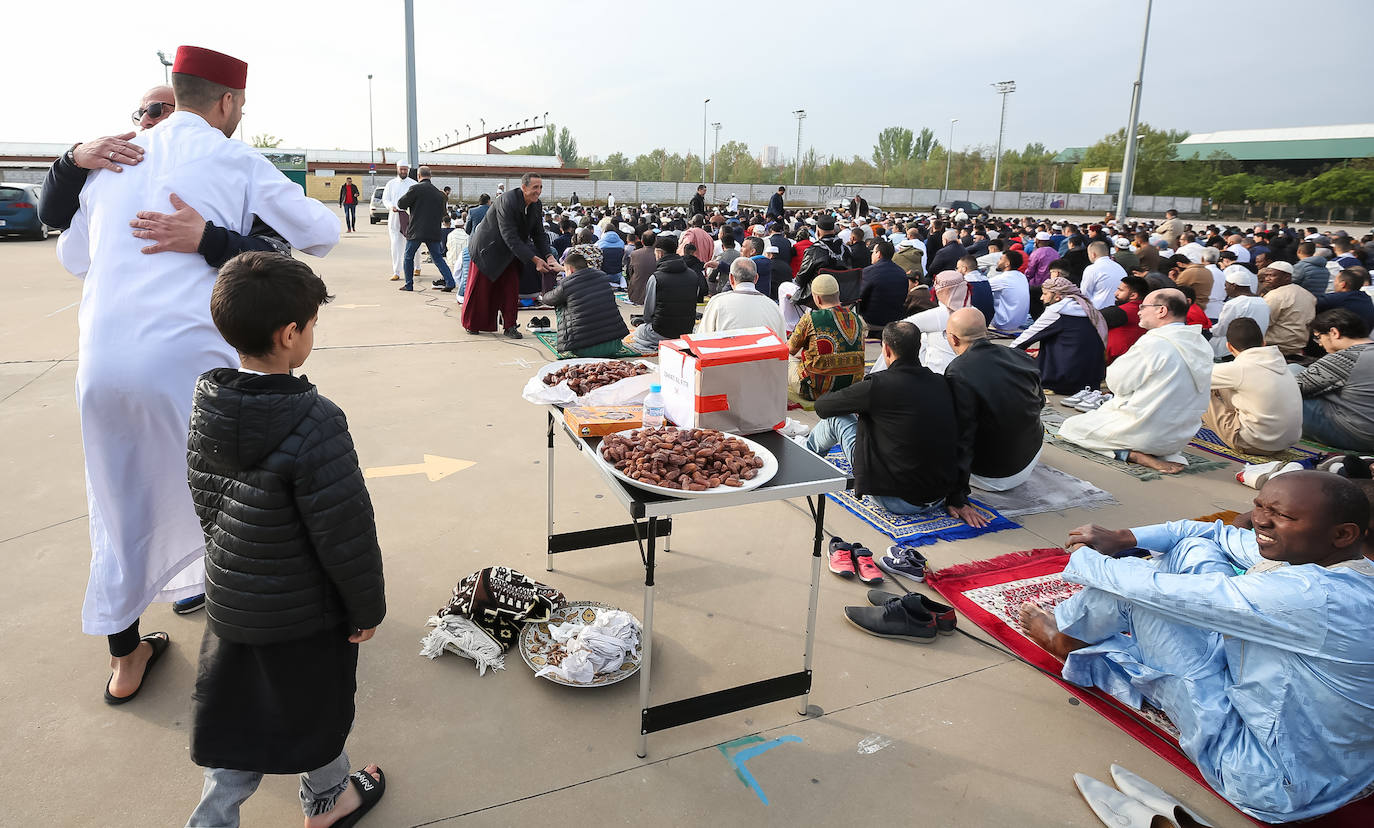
column 631, row 77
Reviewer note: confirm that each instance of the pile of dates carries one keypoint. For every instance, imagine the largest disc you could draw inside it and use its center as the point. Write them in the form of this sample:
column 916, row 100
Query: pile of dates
column 691, row 459
column 586, row 378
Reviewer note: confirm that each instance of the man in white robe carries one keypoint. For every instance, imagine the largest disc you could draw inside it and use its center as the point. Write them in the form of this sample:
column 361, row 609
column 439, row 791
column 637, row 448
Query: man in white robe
column 395, row 188
column 146, row 335
column 1161, row 387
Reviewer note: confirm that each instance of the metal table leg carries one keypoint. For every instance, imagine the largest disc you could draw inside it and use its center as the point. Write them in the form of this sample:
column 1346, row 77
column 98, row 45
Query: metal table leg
column 548, row 565
column 815, row 596
column 646, row 660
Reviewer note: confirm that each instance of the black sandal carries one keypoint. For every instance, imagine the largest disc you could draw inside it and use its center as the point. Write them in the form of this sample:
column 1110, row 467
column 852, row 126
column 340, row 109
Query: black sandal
column 369, row 789
column 160, row 642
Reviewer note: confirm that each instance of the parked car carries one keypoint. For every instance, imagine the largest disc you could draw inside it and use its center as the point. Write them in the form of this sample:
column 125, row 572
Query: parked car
column 379, row 211
column 954, row 206
column 19, row 211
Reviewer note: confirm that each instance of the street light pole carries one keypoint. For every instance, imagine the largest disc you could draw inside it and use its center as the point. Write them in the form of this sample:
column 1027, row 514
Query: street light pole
column 703, row 138
column 716, row 127
column 412, row 119
column 371, row 141
column 949, row 154
column 166, row 66
column 796, row 170
column 1128, row 167
column 1004, row 88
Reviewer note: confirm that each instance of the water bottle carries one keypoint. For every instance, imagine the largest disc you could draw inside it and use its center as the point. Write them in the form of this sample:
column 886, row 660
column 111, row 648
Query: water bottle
column 653, row 407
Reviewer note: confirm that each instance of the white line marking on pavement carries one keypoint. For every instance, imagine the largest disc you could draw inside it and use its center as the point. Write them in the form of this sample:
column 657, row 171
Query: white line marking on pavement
column 64, row 307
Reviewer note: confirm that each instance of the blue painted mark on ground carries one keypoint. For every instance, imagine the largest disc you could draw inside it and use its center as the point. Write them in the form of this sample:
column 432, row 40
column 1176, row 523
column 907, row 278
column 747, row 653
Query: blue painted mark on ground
column 756, row 747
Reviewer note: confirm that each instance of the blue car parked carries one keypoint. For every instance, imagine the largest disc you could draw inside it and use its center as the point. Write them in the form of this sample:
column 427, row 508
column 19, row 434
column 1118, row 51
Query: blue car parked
column 19, row 211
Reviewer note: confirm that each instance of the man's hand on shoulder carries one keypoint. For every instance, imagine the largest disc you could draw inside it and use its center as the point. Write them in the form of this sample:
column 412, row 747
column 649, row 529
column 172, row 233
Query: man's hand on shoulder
column 1104, row 540
column 108, row 153
column 177, row 232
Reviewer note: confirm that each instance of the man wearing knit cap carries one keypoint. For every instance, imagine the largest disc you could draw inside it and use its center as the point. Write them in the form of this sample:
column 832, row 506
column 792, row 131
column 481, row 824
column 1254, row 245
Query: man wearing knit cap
column 1291, row 309
column 146, row 335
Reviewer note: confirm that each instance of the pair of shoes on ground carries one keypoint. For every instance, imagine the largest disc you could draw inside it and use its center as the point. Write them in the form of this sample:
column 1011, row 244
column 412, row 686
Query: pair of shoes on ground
column 541, row 323
column 1074, row 399
column 186, row 606
column 395, row 277
column 850, row 560
column 904, row 560
column 913, row 617
column 1091, row 402
column 442, row 286
column 1135, row 802
column 793, row 429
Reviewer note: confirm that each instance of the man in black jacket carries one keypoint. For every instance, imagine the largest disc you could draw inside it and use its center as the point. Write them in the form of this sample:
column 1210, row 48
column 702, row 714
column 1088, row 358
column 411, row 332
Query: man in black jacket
column 589, row 321
column 428, row 207
column 826, row 253
column 348, row 200
column 670, row 299
column 998, row 400
column 697, row 205
column 949, row 254
column 882, row 293
column 511, row 235
column 775, row 208
column 897, row 428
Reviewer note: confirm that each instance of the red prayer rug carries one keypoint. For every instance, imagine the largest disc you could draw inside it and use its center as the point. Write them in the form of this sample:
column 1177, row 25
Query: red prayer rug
column 989, row 593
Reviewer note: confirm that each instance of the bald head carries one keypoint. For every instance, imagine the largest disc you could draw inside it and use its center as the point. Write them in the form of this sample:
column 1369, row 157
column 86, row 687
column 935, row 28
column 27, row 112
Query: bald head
column 1163, row 307
column 157, row 95
column 967, row 325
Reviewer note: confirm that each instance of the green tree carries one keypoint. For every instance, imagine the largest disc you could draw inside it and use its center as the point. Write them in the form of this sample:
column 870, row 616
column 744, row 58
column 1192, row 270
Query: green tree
column 265, row 141
column 925, row 142
column 545, row 144
column 1340, row 187
column 567, row 148
column 895, row 145
column 621, row 167
column 1231, row 189
column 1274, row 193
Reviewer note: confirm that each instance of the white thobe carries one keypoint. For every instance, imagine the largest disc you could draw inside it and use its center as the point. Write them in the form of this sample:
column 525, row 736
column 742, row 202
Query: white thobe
column 1100, row 281
column 1251, row 306
column 146, row 335
column 734, row 204
column 1011, row 300
column 1161, row 387
column 395, row 188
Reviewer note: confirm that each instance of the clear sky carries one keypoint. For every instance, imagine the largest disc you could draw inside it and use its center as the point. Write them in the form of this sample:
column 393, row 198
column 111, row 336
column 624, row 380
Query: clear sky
column 631, row 77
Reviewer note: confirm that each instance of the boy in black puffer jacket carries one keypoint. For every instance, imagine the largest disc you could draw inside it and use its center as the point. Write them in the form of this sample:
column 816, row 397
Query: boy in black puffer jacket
column 293, row 571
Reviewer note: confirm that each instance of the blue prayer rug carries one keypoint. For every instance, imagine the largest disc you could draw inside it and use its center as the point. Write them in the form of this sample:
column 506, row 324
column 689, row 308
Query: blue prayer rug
column 914, row 530
column 1208, row 441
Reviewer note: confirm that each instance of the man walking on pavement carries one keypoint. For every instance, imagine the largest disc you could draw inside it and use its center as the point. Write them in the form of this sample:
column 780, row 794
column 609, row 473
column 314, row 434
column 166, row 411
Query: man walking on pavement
column 427, row 208
column 396, row 223
column 348, row 199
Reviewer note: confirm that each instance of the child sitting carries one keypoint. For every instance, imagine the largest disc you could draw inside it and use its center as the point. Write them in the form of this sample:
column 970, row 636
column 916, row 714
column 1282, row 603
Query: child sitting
column 293, row 569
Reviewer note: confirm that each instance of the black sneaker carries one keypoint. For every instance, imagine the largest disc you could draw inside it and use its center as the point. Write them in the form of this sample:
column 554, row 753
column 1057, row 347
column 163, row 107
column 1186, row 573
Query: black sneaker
column 186, row 606
column 945, row 618
column 514, row 333
column 438, row 283
column 891, row 620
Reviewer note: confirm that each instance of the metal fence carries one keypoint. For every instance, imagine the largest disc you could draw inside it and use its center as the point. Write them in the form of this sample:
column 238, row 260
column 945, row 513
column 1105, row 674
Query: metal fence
column 590, row 191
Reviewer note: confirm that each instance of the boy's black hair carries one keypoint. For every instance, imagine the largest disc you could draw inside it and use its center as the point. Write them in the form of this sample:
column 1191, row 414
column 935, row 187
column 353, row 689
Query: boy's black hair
column 258, row 294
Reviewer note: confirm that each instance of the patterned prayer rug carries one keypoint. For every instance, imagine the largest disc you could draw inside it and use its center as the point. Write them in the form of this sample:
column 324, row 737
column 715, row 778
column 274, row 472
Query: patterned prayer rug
column 1196, row 462
column 549, row 339
column 1208, row 441
column 914, row 530
column 989, row 594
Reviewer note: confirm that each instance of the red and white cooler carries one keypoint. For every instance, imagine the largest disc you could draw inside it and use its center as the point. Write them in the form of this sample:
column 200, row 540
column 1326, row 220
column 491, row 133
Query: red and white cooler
column 733, row 381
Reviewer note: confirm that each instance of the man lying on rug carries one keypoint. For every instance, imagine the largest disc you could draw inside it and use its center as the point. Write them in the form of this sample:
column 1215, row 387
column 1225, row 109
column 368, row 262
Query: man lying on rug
column 1161, row 387
column 998, row 400
column 1268, row 674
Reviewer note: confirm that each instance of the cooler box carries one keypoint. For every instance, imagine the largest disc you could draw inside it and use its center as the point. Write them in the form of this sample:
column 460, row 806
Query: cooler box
column 733, row 381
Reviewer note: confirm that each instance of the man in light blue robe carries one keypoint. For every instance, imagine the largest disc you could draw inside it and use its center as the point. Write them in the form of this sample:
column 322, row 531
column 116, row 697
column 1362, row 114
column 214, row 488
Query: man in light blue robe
column 1256, row 643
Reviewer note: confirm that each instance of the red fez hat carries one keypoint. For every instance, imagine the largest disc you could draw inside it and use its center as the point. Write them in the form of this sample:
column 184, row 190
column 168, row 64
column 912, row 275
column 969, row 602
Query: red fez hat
column 212, row 66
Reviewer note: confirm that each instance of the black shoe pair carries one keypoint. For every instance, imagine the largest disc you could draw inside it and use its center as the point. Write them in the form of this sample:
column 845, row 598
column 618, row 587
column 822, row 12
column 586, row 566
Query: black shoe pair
column 540, row 323
column 890, row 618
column 445, row 289
column 514, row 333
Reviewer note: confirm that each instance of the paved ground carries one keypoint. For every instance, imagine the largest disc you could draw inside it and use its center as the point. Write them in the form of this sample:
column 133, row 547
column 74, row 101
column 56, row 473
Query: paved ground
column 970, row 737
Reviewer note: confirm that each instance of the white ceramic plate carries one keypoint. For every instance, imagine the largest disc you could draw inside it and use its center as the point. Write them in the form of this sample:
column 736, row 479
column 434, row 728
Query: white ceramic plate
column 535, row 640
column 766, row 472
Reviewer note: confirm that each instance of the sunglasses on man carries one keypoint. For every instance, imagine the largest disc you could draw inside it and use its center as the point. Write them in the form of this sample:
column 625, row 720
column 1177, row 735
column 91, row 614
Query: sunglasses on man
column 154, row 109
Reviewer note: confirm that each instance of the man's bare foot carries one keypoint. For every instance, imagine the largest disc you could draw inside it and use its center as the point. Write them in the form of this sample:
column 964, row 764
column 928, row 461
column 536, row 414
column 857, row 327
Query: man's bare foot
column 346, row 804
column 1149, row 461
column 1041, row 628
column 128, row 670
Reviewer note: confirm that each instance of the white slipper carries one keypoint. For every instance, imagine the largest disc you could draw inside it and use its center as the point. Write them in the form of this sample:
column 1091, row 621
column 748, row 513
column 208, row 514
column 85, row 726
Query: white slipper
column 1156, row 799
column 1115, row 809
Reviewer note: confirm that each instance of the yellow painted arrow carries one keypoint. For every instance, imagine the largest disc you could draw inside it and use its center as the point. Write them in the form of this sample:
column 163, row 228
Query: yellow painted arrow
column 435, row 468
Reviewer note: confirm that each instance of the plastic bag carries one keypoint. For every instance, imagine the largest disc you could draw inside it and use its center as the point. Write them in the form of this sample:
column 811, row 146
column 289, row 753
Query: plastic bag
column 624, row 392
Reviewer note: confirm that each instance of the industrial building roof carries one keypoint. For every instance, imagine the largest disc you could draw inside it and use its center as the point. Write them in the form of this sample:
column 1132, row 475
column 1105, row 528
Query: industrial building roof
column 1334, row 142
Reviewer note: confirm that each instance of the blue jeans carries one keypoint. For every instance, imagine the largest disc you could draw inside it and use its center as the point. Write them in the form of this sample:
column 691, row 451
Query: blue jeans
column 412, row 245
column 350, row 215
column 1319, row 425
column 463, row 263
column 226, row 790
column 844, row 432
